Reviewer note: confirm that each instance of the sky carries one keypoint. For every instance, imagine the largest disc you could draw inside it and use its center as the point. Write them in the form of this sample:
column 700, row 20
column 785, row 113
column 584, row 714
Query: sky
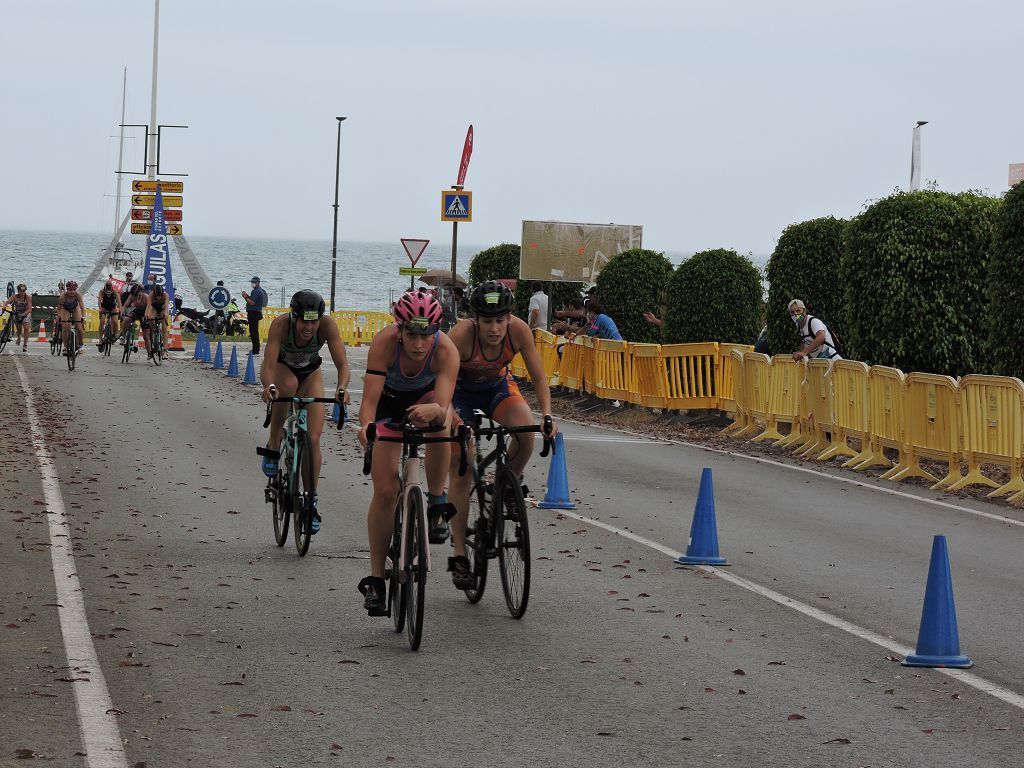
column 712, row 125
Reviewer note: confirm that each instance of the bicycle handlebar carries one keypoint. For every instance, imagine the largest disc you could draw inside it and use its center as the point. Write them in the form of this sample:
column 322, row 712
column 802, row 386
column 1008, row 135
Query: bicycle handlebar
column 415, row 436
column 303, row 401
column 503, row 430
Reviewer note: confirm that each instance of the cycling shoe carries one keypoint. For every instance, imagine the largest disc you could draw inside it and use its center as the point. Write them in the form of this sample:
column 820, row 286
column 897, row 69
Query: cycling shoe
column 269, row 466
column 375, row 591
column 462, row 575
column 438, row 516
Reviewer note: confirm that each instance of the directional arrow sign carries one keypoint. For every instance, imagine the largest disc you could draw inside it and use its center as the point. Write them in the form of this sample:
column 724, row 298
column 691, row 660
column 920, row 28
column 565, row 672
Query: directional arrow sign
column 170, row 201
column 143, row 229
column 146, row 214
column 140, row 185
column 414, row 248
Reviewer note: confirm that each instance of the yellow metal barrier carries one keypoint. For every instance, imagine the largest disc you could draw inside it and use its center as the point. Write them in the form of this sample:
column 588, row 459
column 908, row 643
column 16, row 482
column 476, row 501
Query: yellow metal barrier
column 690, row 369
column 589, row 365
column 992, row 413
column 742, row 416
column 517, row 367
column 931, row 428
column 547, row 348
column 91, row 319
column 756, row 390
column 650, row 376
column 725, row 375
column 818, row 404
column 613, row 372
column 783, row 400
column 849, row 411
column 570, row 372
column 356, row 327
column 885, row 393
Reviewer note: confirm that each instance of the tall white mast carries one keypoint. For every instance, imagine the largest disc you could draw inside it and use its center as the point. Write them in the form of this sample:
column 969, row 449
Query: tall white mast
column 120, row 153
column 151, row 170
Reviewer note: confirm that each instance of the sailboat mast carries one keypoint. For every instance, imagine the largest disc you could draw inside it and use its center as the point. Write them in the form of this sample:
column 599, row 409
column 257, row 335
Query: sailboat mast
column 120, row 152
column 151, row 170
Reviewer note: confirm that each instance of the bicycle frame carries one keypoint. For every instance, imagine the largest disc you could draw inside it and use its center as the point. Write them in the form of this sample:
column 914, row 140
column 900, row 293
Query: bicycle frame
column 411, row 464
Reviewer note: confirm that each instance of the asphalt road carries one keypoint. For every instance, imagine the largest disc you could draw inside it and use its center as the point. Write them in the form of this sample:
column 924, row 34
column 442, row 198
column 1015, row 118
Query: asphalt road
column 217, row 647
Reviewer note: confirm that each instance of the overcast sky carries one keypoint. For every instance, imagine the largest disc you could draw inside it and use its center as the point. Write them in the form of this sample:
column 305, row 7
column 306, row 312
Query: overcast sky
column 710, row 124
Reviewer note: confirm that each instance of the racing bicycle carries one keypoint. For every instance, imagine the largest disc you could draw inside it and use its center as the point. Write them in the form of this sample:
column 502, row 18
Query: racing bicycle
column 108, row 336
column 56, row 338
column 5, row 334
column 71, row 350
column 156, row 339
column 408, row 558
column 498, row 525
column 292, row 490
column 129, row 341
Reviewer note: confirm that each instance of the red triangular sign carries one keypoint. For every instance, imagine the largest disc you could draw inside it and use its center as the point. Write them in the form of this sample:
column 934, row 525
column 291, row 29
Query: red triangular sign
column 414, row 248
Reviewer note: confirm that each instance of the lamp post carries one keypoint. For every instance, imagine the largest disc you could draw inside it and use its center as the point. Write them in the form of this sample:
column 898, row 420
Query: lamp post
column 337, row 177
column 915, row 157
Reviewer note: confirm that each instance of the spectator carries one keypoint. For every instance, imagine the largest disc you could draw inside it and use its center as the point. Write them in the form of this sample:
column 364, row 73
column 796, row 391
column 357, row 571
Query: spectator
column 653, row 319
column 761, row 345
column 814, row 336
column 538, row 307
column 218, row 314
column 254, row 304
column 150, row 283
column 571, row 316
column 598, row 323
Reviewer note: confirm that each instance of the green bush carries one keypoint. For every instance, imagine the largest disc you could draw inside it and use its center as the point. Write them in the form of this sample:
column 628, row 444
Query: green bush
column 630, row 284
column 1006, row 287
column 915, row 267
column 714, row 296
column 805, row 265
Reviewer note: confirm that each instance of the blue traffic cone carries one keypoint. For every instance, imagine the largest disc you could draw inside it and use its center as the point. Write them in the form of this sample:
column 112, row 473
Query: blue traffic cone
column 938, row 642
column 207, row 355
column 233, row 365
column 250, row 371
column 218, row 359
column 336, row 413
column 557, row 496
column 200, row 339
column 703, row 546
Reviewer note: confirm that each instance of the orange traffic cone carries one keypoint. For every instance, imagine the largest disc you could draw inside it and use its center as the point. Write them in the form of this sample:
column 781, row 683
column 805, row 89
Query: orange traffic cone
column 42, row 332
column 174, row 342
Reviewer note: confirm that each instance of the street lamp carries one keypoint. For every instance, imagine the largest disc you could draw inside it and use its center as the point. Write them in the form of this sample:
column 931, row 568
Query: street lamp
column 334, row 247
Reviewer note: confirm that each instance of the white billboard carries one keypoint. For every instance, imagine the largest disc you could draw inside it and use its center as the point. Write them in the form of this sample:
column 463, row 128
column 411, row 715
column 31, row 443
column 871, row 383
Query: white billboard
column 570, row 252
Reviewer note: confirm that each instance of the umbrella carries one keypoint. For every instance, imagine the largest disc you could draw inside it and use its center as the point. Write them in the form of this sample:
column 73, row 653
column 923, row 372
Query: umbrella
column 442, row 277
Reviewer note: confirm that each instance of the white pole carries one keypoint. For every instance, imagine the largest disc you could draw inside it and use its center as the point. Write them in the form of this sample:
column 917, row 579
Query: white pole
column 120, row 152
column 915, row 157
column 151, row 170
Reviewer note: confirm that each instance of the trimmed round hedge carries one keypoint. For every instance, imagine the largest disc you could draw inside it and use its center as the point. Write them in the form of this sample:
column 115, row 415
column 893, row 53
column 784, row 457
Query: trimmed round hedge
column 1006, row 287
column 915, row 269
column 631, row 283
column 714, row 296
column 805, row 265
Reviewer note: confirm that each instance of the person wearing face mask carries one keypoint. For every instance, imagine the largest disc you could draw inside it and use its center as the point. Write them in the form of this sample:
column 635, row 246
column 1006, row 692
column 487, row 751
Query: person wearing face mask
column 254, row 304
column 150, row 283
column 815, row 338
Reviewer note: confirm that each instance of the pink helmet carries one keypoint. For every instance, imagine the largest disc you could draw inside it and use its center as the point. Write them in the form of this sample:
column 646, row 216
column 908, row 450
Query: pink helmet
column 71, row 285
column 418, row 313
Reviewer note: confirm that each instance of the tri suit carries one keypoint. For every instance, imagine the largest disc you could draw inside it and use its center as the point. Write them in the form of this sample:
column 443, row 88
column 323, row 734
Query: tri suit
column 484, row 384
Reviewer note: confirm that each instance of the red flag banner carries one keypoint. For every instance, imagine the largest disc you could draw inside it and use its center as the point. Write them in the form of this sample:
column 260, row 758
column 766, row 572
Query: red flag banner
column 467, row 152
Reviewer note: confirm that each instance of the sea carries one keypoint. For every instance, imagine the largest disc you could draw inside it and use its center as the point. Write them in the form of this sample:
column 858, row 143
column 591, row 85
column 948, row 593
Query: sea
column 367, row 272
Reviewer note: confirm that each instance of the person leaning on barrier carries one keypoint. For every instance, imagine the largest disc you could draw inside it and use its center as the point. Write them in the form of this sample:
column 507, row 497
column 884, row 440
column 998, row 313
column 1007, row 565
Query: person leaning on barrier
column 815, row 339
column 571, row 316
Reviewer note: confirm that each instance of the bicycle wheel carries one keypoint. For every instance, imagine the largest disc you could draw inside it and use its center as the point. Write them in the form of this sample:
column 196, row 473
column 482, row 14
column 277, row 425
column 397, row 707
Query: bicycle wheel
column 5, row 336
column 72, row 351
column 398, row 595
column 129, row 340
column 55, row 340
column 479, row 538
column 157, row 338
column 302, row 494
column 513, row 542
column 416, row 566
column 280, row 501
column 108, row 342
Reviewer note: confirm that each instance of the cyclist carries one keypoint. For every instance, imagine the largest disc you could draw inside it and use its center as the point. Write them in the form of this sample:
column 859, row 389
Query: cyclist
column 291, row 367
column 410, row 372
column 134, row 307
column 156, row 310
column 109, row 301
column 487, row 343
column 21, row 315
column 71, row 308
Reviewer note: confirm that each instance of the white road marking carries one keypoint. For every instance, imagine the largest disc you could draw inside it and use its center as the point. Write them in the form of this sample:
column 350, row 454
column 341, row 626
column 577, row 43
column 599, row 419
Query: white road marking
column 101, row 737
column 967, row 678
column 812, row 471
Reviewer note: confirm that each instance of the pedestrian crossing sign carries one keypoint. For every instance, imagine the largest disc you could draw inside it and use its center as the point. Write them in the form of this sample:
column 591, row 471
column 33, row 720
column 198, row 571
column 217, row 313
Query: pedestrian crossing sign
column 456, row 205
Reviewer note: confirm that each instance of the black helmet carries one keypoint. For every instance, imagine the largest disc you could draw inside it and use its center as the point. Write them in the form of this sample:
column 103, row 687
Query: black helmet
column 158, row 290
column 308, row 305
column 491, row 299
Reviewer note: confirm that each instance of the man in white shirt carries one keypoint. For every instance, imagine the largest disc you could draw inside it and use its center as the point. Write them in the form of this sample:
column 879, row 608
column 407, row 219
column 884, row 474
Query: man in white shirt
column 815, row 338
column 538, row 307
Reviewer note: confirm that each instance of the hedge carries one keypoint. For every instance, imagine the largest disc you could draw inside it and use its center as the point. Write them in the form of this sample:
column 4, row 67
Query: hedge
column 631, row 283
column 1006, row 287
column 714, row 296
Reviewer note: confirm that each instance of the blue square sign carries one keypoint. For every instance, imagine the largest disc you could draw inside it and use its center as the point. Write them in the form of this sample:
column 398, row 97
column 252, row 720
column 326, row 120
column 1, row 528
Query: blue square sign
column 456, row 205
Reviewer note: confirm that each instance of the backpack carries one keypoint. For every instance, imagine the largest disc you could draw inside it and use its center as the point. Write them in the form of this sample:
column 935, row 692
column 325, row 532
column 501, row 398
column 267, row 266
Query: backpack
column 837, row 343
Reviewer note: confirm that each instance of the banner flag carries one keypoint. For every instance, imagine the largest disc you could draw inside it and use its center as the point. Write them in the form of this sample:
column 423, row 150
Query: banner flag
column 158, row 252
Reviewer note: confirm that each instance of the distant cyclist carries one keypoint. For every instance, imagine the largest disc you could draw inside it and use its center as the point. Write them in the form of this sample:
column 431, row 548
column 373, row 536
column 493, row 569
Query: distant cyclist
column 71, row 309
column 21, row 315
column 156, row 312
column 487, row 343
column 134, row 307
column 291, row 367
column 410, row 372
column 109, row 301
